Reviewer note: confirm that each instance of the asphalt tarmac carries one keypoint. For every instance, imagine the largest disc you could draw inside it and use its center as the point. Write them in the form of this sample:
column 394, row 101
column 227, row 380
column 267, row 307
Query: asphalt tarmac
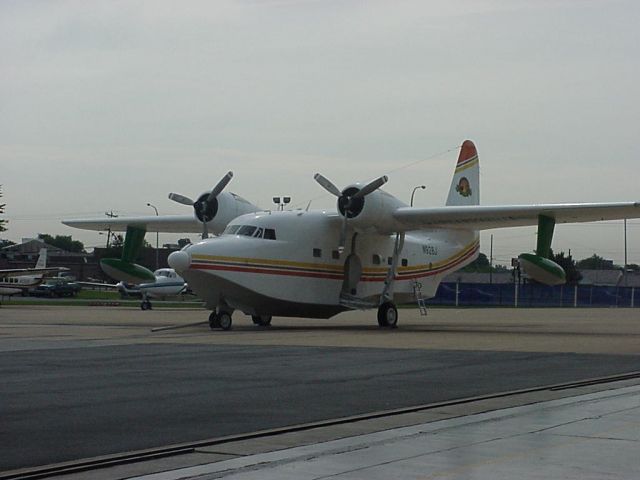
column 80, row 383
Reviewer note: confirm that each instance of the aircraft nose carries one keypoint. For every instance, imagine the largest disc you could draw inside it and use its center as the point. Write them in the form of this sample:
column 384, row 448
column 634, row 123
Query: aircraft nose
column 179, row 261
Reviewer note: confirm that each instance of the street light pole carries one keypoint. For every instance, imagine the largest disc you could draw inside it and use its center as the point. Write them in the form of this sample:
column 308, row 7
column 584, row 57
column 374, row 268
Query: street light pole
column 154, row 207
column 625, row 252
column 281, row 202
column 414, row 192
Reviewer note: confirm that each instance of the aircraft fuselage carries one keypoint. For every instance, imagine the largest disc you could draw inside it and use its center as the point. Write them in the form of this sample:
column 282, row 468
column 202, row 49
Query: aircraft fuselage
column 288, row 264
column 10, row 285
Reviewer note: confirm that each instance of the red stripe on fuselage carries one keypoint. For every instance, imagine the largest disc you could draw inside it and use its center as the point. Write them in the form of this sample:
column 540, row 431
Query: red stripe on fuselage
column 337, row 276
column 334, row 276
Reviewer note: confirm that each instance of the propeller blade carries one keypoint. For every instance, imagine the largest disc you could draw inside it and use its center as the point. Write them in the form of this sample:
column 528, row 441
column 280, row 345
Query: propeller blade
column 371, row 186
column 176, row 197
column 327, row 185
column 215, row 191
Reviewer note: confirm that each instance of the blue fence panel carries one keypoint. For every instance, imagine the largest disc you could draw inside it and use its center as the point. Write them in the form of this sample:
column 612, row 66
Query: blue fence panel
column 533, row 295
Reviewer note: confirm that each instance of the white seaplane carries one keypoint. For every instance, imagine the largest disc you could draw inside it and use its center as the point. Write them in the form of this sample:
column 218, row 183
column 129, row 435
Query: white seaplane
column 373, row 252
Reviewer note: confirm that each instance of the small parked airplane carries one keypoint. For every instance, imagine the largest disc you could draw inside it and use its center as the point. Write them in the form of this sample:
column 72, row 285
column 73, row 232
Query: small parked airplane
column 374, row 252
column 167, row 283
column 20, row 280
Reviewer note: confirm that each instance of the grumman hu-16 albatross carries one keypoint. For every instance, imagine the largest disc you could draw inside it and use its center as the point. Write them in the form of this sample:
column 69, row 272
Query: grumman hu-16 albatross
column 374, row 252
column 167, row 283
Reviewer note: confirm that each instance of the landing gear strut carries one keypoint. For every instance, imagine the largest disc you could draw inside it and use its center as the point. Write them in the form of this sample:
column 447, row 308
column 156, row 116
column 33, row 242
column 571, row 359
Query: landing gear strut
column 388, row 315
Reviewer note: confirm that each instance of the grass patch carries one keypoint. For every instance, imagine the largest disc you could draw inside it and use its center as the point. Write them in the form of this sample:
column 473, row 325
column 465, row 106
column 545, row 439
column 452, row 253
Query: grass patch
column 98, row 295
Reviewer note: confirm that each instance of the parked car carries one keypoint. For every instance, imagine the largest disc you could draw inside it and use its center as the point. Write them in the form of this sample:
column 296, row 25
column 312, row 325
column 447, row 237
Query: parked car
column 57, row 289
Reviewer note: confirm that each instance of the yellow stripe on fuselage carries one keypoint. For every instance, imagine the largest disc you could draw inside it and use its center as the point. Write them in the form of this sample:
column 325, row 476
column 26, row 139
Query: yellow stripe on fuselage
column 333, row 268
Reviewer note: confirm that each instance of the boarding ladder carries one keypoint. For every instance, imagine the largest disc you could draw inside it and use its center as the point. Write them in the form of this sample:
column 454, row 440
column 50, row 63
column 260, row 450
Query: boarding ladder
column 417, row 293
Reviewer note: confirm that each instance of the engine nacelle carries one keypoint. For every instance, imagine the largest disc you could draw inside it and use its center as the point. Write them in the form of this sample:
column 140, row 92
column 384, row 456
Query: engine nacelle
column 542, row 269
column 371, row 212
column 224, row 208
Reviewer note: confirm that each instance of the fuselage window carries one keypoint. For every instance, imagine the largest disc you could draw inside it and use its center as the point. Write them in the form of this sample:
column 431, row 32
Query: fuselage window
column 390, row 260
column 269, row 234
column 376, row 259
column 247, row 230
column 335, row 254
column 317, row 252
column 231, row 229
column 405, row 262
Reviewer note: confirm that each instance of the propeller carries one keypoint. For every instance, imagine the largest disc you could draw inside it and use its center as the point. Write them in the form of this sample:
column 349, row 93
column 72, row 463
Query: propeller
column 206, row 206
column 350, row 200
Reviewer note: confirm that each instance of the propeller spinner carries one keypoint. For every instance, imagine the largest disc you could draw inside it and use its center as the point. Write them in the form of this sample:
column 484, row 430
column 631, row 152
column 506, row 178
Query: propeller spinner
column 350, row 200
column 206, row 206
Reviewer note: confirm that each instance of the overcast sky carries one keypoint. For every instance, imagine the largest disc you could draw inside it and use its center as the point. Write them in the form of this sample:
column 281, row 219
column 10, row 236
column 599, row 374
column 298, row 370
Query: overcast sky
column 110, row 105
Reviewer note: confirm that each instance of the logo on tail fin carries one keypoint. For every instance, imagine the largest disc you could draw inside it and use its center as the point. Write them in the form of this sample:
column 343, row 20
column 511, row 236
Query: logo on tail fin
column 463, row 187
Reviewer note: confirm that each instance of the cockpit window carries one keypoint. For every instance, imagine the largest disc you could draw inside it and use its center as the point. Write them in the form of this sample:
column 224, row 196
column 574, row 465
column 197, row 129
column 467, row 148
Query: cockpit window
column 251, row 231
column 247, row 230
column 231, row 229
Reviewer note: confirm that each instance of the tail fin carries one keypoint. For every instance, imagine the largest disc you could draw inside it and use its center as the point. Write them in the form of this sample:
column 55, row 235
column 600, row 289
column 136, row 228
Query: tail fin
column 42, row 259
column 465, row 186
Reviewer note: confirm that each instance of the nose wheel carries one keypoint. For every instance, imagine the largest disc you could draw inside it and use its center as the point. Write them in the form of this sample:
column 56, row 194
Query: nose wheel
column 388, row 315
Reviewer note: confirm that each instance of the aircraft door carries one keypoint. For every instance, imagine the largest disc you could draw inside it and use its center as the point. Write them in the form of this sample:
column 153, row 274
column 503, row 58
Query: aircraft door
column 352, row 274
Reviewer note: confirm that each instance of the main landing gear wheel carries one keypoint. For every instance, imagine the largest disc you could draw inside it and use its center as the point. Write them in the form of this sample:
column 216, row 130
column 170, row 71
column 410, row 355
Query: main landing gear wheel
column 388, row 315
column 213, row 321
column 224, row 320
column 261, row 320
column 145, row 305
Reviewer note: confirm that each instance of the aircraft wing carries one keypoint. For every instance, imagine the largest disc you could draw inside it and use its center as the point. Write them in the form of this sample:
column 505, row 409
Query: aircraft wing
column 98, row 284
column 480, row 217
column 28, row 271
column 152, row 223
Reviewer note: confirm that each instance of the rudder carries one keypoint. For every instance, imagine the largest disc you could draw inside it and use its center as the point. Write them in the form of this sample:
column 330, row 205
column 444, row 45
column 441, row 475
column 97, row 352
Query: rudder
column 465, row 185
column 42, row 259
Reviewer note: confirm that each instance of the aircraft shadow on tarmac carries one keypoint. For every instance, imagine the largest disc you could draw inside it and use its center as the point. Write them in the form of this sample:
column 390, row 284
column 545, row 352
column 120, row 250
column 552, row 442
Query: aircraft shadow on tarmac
column 432, row 328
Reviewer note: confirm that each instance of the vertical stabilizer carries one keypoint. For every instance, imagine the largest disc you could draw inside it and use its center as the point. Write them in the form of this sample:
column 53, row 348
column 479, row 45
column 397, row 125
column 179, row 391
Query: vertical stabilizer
column 42, row 259
column 465, row 186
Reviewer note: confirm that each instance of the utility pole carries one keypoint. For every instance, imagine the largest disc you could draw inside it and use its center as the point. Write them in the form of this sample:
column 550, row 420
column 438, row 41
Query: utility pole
column 110, row 215
column 491, row 261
